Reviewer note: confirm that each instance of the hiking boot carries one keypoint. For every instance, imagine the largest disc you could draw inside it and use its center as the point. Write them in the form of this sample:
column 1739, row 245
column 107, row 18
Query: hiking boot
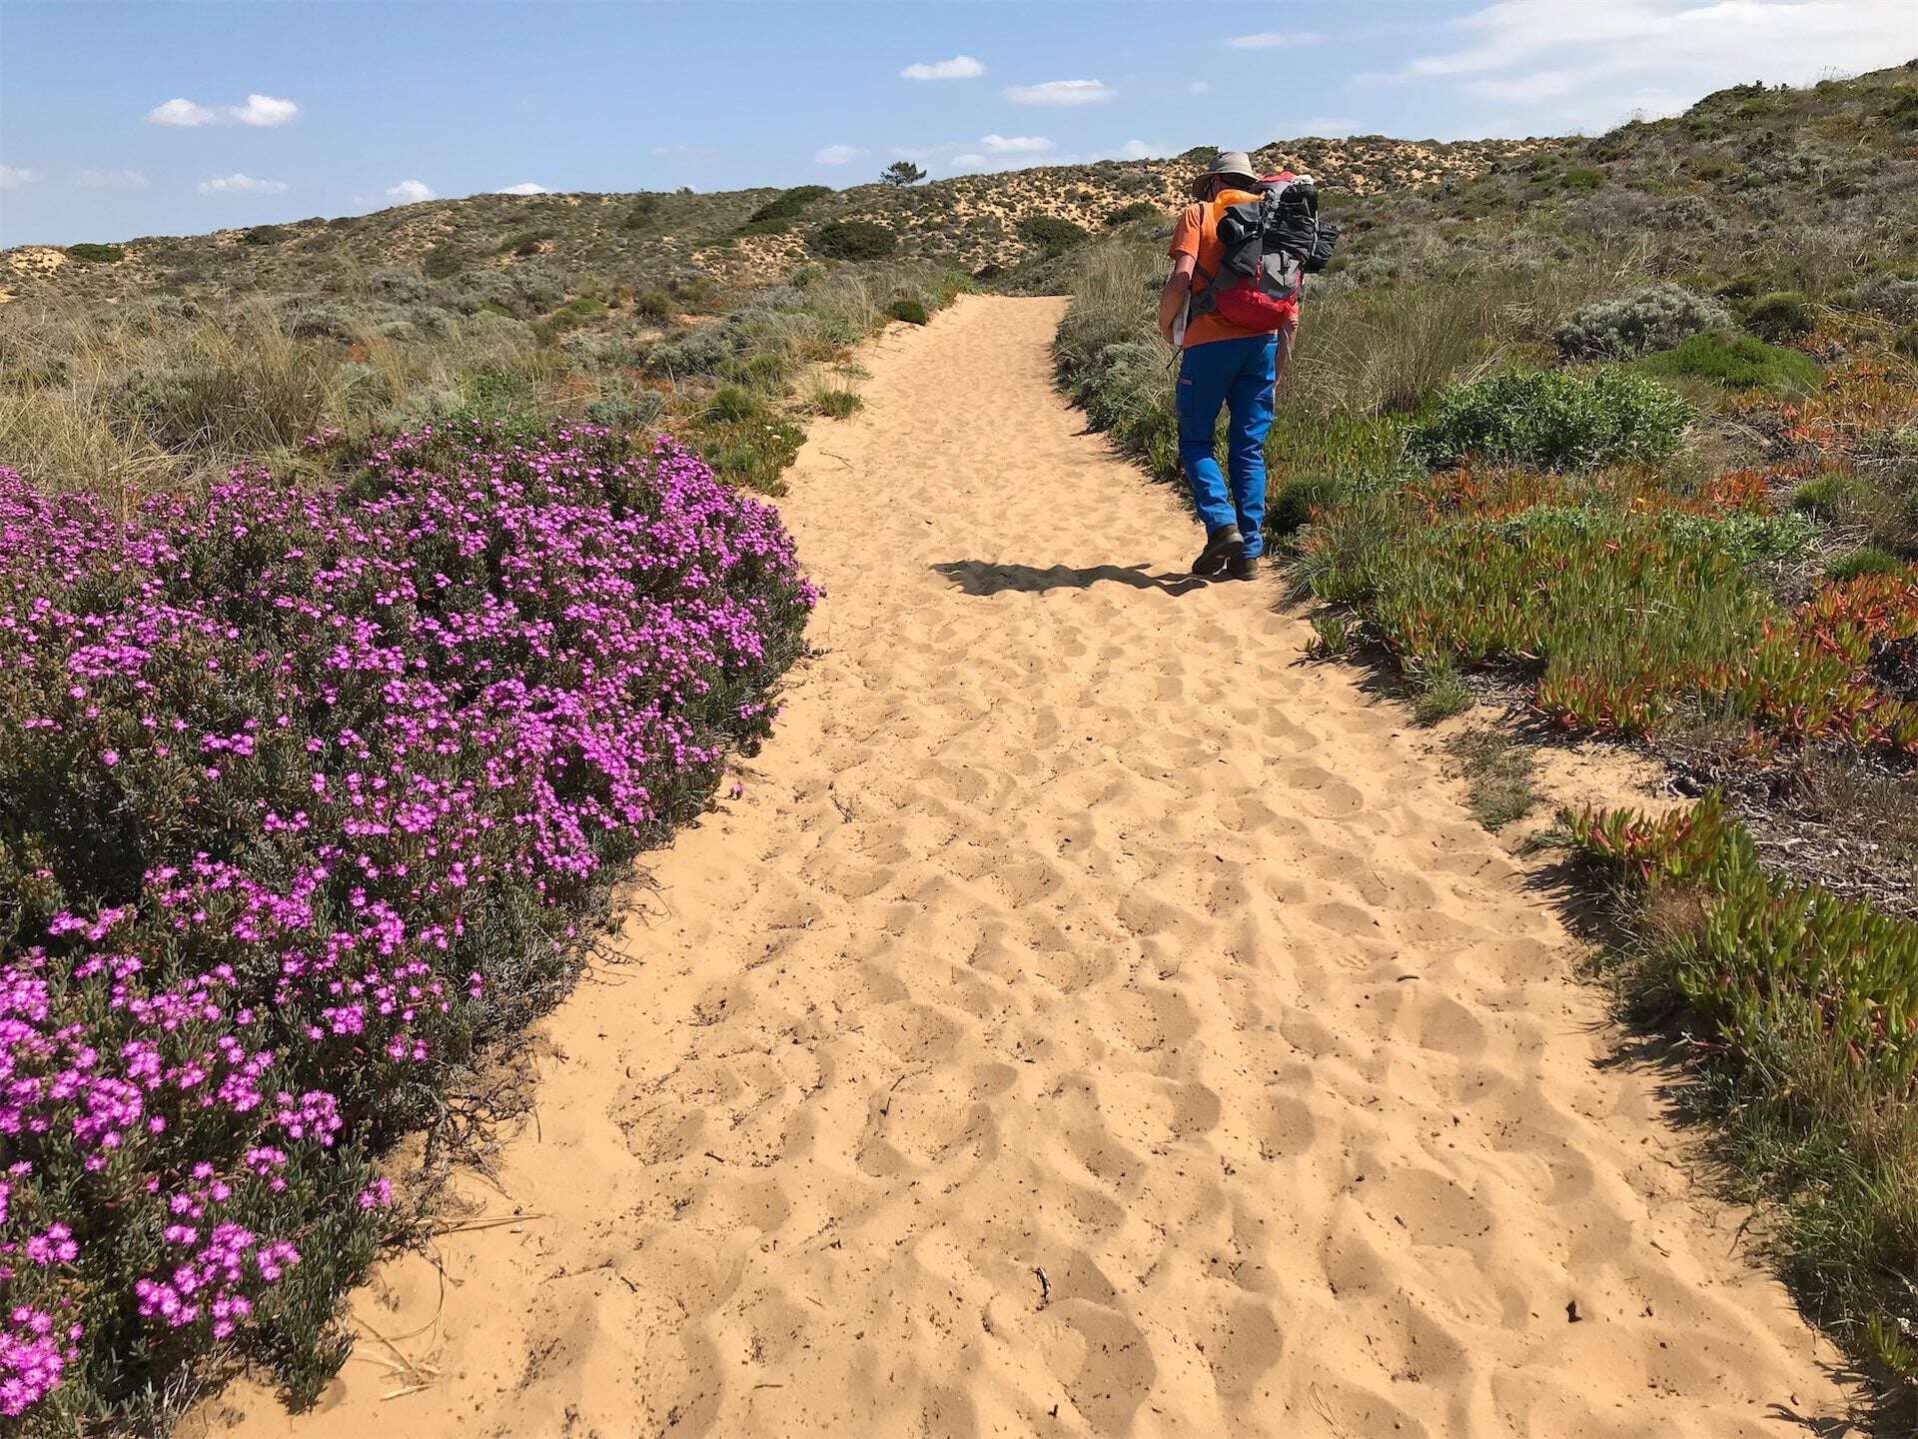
column 1243, row 566
column 1221, row 545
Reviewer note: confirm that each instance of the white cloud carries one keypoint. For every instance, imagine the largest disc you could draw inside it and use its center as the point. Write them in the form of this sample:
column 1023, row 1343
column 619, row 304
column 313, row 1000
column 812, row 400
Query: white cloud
column 110, row 179
column 410, row 192
column 180, row 112
column 1060, row 92
column 265, row 110
column 1140, row 150
column 1199, row 87
column 258, row 110
column 12, row 177
column 1593, row 62
column 959, row 67
column 1014, row 144
column 240, row 183
column 524, row 187
column 837, row 155
column 1276, row 39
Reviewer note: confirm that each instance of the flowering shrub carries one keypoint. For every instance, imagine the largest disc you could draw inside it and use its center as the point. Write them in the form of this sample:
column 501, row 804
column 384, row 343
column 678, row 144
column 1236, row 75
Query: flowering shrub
column 305, row 790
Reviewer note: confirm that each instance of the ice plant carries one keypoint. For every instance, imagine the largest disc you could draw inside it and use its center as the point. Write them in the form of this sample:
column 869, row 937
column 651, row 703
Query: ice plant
column 304, row 790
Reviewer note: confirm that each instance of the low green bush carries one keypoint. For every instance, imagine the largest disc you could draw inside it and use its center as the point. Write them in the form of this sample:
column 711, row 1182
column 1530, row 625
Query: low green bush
column 641, row 214
column 854, row 240
column 700, row 352
column 1291, row 503
column 653, row 305
column 1552, row 418
column 773, row 216
column 1052, row 235
column 1582, row 179
column 91, row 254
column 442, row 260
column 626, row 412
column 1866, row 560
column 732, row 403
column 910, row 311
column 264, row 235
column 1837, row 498
column 1738, row 362
column 1777, row 315
column 1137, row 210
column 526, row 243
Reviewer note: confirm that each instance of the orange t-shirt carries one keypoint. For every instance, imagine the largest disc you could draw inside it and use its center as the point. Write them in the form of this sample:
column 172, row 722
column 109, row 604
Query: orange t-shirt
column 1197, row 234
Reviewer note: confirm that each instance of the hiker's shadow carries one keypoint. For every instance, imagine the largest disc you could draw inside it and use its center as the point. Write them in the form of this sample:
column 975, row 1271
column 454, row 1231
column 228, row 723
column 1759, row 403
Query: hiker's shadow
column 982, row 577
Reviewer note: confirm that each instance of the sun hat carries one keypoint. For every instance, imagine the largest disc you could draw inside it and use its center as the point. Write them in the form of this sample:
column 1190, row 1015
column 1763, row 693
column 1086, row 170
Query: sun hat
column 1234, row 163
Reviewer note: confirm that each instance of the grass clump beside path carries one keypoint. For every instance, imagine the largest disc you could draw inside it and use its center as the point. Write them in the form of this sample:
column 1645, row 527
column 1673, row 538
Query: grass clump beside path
column 1804, row 1008
column 311, row 789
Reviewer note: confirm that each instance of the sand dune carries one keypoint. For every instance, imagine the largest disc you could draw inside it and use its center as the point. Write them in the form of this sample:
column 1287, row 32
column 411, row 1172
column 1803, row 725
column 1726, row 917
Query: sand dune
column 1090, row 1021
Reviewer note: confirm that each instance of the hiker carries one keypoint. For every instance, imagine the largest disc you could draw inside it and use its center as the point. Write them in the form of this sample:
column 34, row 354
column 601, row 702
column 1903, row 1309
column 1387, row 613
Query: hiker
column 1234, row 345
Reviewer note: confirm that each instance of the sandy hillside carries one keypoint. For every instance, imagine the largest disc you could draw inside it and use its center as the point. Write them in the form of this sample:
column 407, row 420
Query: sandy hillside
column 1090, row 1021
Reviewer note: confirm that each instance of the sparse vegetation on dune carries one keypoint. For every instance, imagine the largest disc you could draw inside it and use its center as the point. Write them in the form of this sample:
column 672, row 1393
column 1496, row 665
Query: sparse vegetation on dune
column 1627, row 429
column 153, row 393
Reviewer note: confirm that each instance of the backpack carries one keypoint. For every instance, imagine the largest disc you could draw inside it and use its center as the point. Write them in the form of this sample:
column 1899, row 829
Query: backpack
column 1271, row 244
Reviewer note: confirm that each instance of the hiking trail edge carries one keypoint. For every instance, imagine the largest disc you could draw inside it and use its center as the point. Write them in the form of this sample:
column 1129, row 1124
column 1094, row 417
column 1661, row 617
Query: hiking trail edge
column 1090, row 1021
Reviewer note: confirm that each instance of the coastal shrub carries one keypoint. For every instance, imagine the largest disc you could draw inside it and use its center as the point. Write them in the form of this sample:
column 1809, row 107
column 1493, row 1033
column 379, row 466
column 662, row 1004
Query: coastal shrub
column 1552, row 418
column 1137, row 210
column 263, row 234
column 442, row 260
column 1893, row 296
column 854, row 240
column 1838, row 497
column 773, row 216
column 1738, row 362
column 731, row 403
column 1777, row 315
column 1657, row 318
column 91, row 254
column 529, row 242
column 1052, row 235
column 315, row 787
column 1292, row 503
column 700, row 352
column 1865, row 560
column 641, row 213
column 317, row 320
column 910, row 311
column 627, row 411
column 653, row 305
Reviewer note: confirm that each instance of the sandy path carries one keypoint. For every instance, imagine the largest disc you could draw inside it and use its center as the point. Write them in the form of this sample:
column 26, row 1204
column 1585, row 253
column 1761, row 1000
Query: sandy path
column 1069, row 927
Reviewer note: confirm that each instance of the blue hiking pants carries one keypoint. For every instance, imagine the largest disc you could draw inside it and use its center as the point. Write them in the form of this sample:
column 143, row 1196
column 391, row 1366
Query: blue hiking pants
column 1239, row 375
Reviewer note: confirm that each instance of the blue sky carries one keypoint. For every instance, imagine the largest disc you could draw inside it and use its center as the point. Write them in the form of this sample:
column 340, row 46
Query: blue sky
column 181, row 116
